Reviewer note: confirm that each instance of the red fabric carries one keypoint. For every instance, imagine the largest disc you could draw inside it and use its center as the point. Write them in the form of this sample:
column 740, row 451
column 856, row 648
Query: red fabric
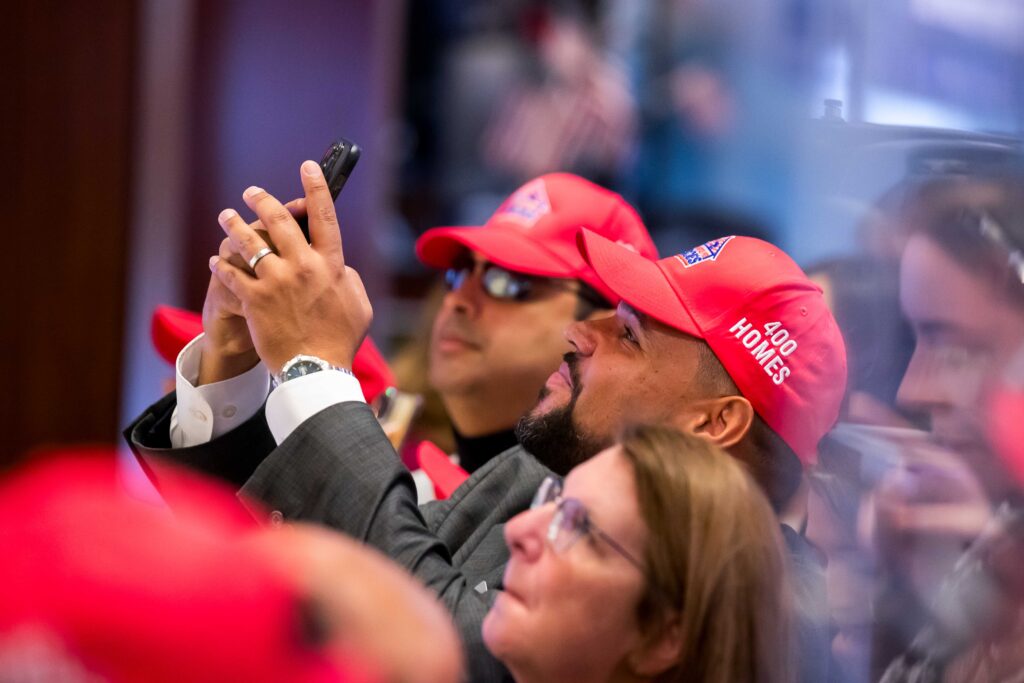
column 765, row 320
column 92, row 580
column 444, row 474
column 372, row 371
column 172, row 328
column 1007, row 428
column 534, row 231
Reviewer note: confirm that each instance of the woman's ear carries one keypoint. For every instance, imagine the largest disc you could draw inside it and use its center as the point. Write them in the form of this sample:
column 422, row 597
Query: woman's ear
column 725, row 420
column 658, row 653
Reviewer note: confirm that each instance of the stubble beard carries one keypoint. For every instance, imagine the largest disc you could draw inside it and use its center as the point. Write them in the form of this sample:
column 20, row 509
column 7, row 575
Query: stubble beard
column 553, row 436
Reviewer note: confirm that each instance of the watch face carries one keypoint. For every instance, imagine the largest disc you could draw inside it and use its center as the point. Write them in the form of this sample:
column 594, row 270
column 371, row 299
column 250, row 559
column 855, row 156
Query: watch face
column 302, row 367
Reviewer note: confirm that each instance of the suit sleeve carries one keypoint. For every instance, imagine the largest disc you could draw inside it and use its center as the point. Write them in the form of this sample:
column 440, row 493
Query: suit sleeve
column 339, row 469
column 336, row 469
column 233, row 457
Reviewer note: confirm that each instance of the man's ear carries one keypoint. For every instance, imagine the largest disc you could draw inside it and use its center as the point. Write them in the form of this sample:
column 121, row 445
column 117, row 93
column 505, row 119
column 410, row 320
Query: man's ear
column 725, row 420
column 659, row 653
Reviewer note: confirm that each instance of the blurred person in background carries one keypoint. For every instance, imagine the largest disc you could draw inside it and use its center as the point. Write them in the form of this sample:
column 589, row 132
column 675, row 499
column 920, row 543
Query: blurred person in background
column 576, row 114
column 526, row 88
column 656, row 560
column 714, row 108
column 411, row 365
column 833, row 505
column 862, row 291
column 962, row 289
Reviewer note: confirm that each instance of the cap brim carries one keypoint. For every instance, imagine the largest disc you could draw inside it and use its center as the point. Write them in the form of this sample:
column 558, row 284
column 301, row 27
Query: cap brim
column 439, row 247
column 638, row 281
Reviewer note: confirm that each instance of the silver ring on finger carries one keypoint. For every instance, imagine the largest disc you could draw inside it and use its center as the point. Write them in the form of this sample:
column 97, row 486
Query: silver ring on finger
column 257, row 256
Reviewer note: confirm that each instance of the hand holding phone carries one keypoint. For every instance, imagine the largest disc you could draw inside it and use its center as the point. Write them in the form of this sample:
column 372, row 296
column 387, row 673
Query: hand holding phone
column 337, row 164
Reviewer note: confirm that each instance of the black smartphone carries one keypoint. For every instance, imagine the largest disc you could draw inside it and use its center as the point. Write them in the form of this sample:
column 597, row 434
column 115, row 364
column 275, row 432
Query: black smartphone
column 337, row 163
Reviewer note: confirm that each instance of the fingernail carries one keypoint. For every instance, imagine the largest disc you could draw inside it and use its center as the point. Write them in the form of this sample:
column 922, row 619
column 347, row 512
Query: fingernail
column 311, row 168
column 213, row 261
column 252, row 191
column 226, row 215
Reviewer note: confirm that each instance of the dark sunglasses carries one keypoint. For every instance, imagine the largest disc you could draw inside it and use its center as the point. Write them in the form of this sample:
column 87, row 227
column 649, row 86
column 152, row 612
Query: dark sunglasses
column 505, row 285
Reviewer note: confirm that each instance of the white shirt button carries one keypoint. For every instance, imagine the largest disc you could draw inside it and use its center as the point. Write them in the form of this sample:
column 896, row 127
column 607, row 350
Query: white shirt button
column 276, row 518
column 199, row 415
column 230, row 411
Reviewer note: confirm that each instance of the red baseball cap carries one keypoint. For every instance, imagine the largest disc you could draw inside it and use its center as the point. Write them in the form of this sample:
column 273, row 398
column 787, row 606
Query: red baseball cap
column 534, row 231
column 172, row 328
column 764, row 319
column 98, row 586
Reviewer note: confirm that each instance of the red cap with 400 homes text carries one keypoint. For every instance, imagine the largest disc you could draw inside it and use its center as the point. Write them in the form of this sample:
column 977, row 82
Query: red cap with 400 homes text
column 764, row 319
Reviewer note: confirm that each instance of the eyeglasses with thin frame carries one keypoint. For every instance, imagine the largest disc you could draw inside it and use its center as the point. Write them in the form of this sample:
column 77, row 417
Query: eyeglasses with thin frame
column 505, row 285
column 571, row 521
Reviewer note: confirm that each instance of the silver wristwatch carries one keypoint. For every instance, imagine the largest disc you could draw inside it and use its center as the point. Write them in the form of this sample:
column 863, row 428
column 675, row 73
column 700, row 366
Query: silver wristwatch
column 302, row 365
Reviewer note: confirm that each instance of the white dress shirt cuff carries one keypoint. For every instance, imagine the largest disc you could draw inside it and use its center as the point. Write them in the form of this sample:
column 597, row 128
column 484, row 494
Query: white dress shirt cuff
column 206, row 412
column 297, row 400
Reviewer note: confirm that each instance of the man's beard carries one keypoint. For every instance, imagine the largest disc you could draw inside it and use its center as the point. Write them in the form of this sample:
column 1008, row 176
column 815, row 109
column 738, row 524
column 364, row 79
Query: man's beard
column 553, row 437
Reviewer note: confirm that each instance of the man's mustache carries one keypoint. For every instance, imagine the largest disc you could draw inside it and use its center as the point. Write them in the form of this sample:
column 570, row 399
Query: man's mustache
column 455, row 329
column 572, row 360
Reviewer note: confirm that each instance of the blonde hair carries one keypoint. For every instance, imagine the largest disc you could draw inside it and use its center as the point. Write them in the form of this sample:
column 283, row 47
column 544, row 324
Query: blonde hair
column 715, row 560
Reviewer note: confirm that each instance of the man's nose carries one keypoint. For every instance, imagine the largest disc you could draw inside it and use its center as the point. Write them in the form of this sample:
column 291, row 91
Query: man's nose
column 582, row 335
column 468, row 294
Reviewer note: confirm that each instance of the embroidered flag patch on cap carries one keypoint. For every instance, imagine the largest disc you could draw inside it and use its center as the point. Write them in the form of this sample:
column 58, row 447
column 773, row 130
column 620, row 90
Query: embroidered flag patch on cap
column 528, row 204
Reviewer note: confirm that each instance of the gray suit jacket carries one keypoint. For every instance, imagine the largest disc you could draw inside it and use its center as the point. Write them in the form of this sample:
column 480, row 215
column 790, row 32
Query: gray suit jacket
column 339, row 469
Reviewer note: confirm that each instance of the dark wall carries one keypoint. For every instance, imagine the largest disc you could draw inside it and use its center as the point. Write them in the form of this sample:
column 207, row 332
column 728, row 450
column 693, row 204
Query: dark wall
column 275, row 83
column 67, row 120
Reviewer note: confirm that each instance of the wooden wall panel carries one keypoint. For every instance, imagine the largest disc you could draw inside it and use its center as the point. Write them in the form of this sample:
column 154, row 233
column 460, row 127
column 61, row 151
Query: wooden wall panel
column 67, row 124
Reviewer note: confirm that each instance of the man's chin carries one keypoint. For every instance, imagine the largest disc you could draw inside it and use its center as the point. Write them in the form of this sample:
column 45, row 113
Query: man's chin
column 548, row 402
column 452, row 376
column 553, row 438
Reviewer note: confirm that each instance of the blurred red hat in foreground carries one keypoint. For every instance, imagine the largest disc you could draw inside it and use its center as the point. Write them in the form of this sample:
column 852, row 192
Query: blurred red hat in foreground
column 98, row 586
column 172, row 328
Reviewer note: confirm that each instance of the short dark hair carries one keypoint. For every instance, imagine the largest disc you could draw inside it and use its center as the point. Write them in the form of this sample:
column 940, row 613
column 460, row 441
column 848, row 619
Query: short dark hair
column 770, row 460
